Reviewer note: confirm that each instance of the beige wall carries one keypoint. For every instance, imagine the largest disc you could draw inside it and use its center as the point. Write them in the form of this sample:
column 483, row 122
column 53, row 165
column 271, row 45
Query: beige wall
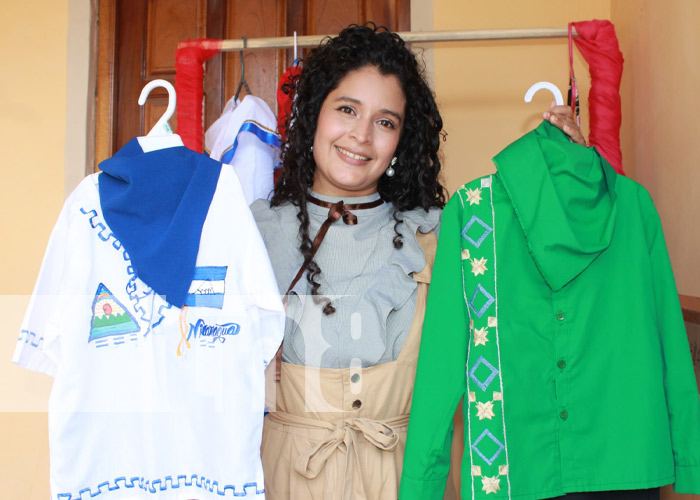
column 32, row 131
column 661, row 110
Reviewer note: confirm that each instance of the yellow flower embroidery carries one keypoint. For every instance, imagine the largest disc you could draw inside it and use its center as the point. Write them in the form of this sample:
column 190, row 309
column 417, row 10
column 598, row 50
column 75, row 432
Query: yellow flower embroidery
column 485, row 410
column 490, row 484
column 479, row 266
column 474, row 196
column 480, row 336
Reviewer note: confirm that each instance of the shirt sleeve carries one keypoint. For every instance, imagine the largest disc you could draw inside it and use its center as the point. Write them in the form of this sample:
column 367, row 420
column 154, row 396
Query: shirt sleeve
column 440, row 376
column 40, row 327
column 679, row 378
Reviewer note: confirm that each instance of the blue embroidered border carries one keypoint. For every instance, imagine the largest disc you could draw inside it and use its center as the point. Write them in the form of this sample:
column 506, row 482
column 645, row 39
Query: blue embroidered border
column 485, row 420
column 25, row 334
column 132, row 287
column 159, row 485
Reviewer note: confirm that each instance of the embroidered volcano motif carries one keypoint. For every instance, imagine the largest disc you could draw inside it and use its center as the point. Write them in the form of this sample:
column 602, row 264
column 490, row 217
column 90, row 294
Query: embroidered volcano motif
column 109, row 316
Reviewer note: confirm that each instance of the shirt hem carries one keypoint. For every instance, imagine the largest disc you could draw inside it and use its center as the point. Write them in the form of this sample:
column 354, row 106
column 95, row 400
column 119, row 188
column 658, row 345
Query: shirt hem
column 577, row 488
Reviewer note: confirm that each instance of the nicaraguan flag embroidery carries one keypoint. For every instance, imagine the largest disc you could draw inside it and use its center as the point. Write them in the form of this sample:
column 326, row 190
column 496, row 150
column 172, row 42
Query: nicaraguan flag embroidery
column 207, row 288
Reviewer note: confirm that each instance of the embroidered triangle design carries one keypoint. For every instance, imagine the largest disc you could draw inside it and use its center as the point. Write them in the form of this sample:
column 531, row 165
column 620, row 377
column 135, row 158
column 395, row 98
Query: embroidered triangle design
column 109, row 316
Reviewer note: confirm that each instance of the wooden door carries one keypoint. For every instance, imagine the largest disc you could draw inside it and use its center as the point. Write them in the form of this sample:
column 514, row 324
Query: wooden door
column 138, row 39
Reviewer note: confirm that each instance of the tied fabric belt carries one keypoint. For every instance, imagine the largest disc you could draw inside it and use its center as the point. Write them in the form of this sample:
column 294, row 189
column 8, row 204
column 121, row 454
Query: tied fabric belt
column 335, row 212
column 344, row 435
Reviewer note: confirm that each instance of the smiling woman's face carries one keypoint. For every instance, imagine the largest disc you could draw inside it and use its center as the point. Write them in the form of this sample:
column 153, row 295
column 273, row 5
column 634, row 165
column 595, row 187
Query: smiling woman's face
column 357, row 133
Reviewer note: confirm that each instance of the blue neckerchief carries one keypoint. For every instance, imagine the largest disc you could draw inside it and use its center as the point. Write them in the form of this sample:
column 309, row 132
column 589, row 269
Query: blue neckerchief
column 156, row 204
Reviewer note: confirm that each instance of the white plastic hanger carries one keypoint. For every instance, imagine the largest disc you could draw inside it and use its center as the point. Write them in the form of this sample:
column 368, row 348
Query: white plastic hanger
column 295, row 47
column 547, row 86
column 161, row 135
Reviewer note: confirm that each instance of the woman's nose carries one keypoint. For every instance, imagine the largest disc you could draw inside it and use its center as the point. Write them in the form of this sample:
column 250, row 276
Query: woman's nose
column 362, row 131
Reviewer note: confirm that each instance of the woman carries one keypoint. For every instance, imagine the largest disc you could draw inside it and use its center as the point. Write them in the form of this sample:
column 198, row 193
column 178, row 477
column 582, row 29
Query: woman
column 363, row 146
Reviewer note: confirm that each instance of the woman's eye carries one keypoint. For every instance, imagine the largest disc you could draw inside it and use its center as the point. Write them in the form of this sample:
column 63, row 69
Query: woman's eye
column 346, row 109
column 387, row 123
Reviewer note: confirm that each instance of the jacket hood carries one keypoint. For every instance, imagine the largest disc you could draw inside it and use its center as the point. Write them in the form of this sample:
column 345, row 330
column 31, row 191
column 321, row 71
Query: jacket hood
column 564, row 199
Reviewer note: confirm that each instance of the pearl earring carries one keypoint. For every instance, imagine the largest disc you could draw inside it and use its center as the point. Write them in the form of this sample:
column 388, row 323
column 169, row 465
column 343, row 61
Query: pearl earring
column 390, row 171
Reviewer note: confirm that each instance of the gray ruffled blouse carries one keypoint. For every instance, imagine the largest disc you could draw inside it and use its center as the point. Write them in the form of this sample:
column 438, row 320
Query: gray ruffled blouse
column 368, row 280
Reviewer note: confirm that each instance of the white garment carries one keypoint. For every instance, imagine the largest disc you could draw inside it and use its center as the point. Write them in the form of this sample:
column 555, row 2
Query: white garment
column 152, row 401
column 248, row 129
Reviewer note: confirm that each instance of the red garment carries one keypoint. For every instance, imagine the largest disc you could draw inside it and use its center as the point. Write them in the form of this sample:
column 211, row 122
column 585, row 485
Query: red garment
column 599, row 46
column 189, row 87
column 285, row 99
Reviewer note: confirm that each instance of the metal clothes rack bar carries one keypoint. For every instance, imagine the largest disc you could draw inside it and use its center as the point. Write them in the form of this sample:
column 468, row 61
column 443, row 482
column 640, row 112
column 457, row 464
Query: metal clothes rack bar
column 286, row 42
column 190, row 123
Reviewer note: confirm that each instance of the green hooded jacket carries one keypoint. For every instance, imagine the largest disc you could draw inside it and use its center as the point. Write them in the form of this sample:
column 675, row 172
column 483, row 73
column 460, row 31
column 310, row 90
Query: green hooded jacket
column 553, row 287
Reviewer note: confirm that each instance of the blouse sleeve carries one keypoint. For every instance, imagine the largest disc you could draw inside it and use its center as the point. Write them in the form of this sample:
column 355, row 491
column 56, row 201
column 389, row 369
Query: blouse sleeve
column 273, row 236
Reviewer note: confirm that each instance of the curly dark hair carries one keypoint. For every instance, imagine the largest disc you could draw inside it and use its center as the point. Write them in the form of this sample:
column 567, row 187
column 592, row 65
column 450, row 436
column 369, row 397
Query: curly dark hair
column 416, row 181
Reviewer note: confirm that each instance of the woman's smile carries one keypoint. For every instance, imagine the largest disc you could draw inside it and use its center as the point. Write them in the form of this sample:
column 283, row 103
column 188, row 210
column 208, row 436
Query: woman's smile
column 352, row 157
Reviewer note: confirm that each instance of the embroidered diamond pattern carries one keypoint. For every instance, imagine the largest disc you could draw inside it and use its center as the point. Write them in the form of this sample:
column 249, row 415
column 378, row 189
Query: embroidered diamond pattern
column 490, row 443
column 481, row 293
column 483, row 384
column 480, row 239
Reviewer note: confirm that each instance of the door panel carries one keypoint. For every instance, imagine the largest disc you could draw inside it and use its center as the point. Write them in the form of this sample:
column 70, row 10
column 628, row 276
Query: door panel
column 170, row 22
column 255, row 19
column 330, row 16
column 138, row 41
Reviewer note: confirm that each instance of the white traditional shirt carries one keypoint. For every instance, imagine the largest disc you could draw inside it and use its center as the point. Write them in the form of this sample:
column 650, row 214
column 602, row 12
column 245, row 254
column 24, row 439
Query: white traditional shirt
column 149, row 400
column 245, row 136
